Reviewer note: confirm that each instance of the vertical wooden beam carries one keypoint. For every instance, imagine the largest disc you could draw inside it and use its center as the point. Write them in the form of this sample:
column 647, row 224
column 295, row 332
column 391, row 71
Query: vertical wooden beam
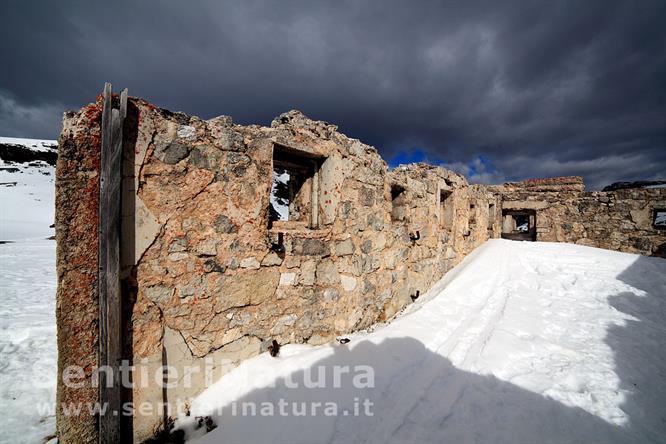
column 110, row 349
column 102, row 289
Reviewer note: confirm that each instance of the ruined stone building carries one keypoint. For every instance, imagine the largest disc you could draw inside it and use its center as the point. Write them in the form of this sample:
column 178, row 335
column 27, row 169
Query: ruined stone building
column 215, row 263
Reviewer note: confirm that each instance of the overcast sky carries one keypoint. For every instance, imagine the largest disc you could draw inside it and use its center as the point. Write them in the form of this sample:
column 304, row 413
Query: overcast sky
column 499, row 90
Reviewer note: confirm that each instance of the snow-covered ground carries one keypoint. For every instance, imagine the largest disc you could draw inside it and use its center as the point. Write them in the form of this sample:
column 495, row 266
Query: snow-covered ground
column 27, row 194
column 27, row 341
column 27, row 298
column 521, row 343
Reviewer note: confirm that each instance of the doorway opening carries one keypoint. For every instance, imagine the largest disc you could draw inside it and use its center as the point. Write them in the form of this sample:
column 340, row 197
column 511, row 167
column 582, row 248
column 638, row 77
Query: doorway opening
column 519, row 225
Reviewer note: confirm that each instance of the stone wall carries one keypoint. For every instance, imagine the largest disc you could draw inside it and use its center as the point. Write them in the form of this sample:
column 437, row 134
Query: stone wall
column 77, row 191
column 619, row 220
column 210, row 278
column 209, row 281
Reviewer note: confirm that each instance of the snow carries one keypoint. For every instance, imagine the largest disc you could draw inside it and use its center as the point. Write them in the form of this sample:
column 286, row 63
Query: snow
column 521, row 343
column 28, row 341
column 28, row 351
column 27, row 196
column 280, row 205
column 660, row 218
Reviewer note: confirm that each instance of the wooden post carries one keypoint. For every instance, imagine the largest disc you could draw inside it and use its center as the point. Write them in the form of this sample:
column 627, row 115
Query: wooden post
column 110, row 344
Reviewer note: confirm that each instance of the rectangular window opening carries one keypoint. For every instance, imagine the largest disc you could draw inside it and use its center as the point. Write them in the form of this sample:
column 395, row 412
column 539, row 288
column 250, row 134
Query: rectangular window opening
column 472, row 214
column 295, row 188
column 491, row 216
column 398, row 203
column 445, row 209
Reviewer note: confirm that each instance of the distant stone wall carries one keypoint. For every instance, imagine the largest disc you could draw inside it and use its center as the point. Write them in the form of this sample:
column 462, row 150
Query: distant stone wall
column 558, row 184
column 209, row 280
column 619, row 220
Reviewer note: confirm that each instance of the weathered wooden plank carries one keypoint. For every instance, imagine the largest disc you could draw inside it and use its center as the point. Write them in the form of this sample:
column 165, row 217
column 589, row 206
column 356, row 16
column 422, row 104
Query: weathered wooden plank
column 109, row 277
column 101, row 227
column 123, row 105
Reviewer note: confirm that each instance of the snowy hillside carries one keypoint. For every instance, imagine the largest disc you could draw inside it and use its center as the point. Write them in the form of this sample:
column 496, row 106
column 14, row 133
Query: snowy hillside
column 27, row 181
column 522, row 343
column 27, row 290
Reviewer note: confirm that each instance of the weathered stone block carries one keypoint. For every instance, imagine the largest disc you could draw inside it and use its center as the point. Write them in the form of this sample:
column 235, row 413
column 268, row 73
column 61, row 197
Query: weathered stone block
column 331, row 294
column 307, row 275
column 224, row 225
column 208, row 247
column 292, row 262
column 172, row 153
column 212, row 266
column 271, row 259
column 178, row 244
column 310, row 247
column 159, row 294
column 348, row 282
column 344, row 248
column 327, row 273
column 283, row 323
column 250, row 262
column 287, row 278
column 251, row 287
column 367, row 196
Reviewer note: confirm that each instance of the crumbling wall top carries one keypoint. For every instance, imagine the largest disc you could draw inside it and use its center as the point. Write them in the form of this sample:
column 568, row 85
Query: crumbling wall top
column 563, row 183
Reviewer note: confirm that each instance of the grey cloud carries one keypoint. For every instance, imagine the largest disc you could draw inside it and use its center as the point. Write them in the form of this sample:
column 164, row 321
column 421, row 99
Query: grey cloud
column 18, row 119
column 537, row 87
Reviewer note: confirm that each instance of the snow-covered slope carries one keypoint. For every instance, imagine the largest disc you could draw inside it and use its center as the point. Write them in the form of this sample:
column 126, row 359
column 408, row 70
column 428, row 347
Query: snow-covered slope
column 27, row 291
column 521, row 343
column 26, row 188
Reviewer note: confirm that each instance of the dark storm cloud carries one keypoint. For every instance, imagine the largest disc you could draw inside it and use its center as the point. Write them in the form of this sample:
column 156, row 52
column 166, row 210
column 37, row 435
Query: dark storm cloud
column 499, row 90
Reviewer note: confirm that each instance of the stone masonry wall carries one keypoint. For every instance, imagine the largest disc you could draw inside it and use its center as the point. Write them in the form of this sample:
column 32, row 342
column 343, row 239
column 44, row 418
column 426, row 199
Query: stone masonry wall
column 208, row 283
column 619, row 220
column 77, row 191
